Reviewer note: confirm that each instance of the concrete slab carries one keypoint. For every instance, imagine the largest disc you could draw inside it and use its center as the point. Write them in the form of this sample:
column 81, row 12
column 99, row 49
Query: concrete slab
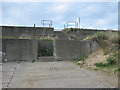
column 59, row 74
column 8, row 69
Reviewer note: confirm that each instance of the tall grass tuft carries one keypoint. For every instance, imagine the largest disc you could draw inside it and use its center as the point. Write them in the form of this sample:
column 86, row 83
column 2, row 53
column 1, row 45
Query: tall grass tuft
column 108, row 40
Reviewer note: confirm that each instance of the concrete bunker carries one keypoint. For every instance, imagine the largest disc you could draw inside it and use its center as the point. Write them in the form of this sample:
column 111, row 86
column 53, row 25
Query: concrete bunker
column 41, row 44
column 26, row 49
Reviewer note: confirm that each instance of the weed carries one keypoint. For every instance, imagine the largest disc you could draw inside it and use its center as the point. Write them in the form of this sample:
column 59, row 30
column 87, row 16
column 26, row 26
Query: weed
column 8, row 37
column 108, row 40
column 117, row 70
column 101, row 64
column 95, row 68
column 78, row 59
column 78, row 64
column 111, row 60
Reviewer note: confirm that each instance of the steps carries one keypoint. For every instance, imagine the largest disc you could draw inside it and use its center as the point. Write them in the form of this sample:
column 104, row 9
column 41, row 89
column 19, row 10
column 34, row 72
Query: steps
column 46, row 59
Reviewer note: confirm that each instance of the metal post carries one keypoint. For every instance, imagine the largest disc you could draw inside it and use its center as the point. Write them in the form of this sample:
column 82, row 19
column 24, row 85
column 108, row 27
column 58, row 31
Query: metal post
column 79, row 22
column 34, row 25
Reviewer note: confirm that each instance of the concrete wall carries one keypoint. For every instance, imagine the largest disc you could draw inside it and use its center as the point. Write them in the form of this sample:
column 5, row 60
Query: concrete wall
column 15, row 31
column 45, row 48
column 70, row 49
column 26, row 49
column 20, row 49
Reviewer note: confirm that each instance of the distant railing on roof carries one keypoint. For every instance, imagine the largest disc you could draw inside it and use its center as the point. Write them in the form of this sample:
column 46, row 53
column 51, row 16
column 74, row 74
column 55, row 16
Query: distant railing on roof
column 46, row 23
column 71, row 24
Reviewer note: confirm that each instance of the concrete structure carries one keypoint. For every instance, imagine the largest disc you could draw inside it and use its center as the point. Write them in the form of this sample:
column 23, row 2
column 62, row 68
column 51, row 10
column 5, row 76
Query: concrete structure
column 31, row 43
column 45, row 33
column 26, row 49
column 20, row 49
column 70, row 49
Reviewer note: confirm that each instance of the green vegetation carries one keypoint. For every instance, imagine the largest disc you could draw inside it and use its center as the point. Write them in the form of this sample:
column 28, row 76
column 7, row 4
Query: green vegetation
column 117, row 70
column 9, row 37
column 108, row 40
column 67, row 29
column 101, row 64
column 38, row 38
column 78, row 59
column 46, row 39
column 105, row 35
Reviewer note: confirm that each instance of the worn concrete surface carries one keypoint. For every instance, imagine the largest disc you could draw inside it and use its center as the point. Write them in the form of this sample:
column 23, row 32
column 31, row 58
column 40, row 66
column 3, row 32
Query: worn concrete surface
column 59, row 74
column 0, row 75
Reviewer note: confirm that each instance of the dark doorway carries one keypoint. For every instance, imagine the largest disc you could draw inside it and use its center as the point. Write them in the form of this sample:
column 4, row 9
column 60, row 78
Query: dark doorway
column 45, row 48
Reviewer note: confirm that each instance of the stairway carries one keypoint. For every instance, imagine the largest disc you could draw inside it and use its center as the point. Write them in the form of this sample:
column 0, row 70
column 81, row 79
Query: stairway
column 46, row 59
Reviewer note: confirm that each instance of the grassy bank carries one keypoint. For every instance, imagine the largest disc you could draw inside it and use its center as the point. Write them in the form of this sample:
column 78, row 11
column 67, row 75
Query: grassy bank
column 106, row 57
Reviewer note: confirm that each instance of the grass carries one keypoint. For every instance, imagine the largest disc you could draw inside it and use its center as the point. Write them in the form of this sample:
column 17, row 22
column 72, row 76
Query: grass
column 46, row 39
column 108, row 40
column 101, row 64
column 13, row 37
column 117, row 70
column 78, row 59
column 8, row 37
column 67, row 29
column 106, row 35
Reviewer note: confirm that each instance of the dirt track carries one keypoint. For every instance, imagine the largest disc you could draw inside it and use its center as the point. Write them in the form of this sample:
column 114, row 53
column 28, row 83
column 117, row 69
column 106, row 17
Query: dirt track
column 62, row 74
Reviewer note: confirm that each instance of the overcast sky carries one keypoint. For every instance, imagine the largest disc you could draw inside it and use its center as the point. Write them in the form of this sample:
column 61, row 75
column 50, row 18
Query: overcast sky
column 98, row 15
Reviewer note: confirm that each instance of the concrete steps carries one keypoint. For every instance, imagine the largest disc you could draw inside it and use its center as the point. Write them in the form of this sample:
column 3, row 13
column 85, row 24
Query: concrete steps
column 46, row 59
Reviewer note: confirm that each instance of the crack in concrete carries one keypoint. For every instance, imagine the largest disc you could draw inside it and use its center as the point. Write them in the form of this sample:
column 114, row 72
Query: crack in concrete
column 12, row 76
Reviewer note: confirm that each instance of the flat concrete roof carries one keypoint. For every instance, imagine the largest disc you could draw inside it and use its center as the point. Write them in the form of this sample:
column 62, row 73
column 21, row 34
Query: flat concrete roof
column 27, row 27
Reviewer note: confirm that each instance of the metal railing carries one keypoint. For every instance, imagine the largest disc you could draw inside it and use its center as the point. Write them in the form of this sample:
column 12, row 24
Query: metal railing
column 46, row 23
column 71, row 24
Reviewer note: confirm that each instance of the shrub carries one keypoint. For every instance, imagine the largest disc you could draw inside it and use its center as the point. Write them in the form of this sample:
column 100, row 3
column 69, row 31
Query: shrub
column 101, row 64
column 117, row 70
column 111, row 60
column 78, row 59
column 101, row 35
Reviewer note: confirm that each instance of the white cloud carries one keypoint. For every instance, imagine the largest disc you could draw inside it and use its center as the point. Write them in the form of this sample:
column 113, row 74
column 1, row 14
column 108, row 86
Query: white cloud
column 58, row 18
column 101, row 22
column 18, row 15
column 58, row 8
